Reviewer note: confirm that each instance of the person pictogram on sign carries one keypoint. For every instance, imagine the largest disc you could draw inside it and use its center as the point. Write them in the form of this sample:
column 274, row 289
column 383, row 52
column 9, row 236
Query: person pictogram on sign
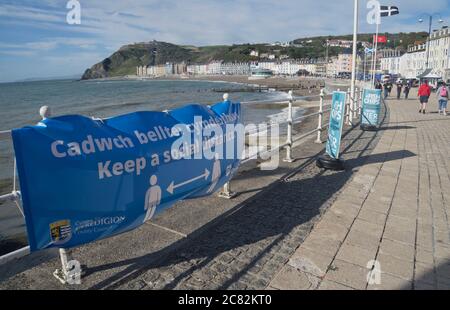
column 216, row 173
column 152, row 198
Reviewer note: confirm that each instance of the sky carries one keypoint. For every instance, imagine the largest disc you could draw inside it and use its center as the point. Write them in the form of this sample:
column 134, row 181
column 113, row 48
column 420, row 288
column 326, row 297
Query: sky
column 37, row 41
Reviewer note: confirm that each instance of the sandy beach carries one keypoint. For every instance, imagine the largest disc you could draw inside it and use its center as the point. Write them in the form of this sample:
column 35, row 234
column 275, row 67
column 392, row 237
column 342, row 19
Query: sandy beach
column 302, row 86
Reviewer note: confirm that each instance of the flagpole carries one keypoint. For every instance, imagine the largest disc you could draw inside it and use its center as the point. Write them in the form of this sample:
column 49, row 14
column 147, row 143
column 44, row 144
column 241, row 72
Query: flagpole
column 371, row 61
column 355, row 47
column 364, row 69
column 375, row 56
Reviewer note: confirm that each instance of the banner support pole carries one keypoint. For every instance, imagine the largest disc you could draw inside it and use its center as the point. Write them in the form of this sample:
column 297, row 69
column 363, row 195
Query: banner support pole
column 227, row 193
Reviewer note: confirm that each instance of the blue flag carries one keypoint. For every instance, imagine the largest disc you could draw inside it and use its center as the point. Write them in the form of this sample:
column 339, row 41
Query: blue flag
column 84, row 180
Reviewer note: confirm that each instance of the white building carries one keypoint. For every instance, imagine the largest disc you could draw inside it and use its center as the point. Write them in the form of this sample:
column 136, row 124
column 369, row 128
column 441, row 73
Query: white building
column 340, row 43
column 413, row 62
column 232, row 68
column 281, row 68
column 439, row 53
column 214, row 68
column 197, row 69
column 390, row 61
column 268, row 65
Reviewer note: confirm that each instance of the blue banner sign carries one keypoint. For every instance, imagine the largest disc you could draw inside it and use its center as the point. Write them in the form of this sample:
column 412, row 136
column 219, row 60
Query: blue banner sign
column 371, row 107
column 336, row 124
column 84, row 180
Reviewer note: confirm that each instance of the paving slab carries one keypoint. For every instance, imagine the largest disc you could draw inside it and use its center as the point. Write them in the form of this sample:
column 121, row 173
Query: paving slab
column 402, row 224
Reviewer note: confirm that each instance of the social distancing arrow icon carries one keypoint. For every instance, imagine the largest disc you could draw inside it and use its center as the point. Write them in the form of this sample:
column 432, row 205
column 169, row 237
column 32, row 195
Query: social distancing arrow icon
column 172, row 187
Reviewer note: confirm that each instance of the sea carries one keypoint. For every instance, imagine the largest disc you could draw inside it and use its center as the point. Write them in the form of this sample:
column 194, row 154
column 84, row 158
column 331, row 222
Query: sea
column 20, row 103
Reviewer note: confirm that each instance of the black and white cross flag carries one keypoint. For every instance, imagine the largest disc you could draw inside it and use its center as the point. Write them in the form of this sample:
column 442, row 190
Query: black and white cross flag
column 388, row 11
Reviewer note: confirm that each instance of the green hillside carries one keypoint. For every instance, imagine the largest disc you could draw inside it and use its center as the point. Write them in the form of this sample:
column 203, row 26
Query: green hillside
column 396, row 40
column 127, row 58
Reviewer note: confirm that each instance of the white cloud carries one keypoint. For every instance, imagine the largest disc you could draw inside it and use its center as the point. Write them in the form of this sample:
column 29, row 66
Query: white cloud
column 204, row 22
column 107, row 25
column 29, row 13
column 18, row 53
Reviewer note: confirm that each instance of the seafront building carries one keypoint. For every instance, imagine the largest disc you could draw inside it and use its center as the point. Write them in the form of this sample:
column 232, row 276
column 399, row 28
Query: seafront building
column 340, row 64
column 235, row 69
column 285, row 67
column 408, row 64
column 439, row 53
column 413, row 63
column 391, row 60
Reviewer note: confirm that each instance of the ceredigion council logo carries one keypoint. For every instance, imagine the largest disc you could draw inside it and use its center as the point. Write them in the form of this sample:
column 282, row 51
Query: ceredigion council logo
column 61, row 232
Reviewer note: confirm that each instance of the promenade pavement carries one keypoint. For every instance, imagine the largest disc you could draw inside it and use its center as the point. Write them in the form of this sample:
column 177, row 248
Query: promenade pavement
column 213, row 243
column 298, row 227
column 391, row 220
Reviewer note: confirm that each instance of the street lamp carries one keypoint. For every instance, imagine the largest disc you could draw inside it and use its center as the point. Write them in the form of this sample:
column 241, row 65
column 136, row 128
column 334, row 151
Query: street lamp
column 421, row 20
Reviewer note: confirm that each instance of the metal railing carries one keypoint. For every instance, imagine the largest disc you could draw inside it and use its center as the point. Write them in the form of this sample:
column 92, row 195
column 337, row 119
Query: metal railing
column 353, row 110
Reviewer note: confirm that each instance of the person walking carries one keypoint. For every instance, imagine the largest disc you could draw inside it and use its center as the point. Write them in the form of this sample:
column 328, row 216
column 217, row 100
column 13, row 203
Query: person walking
column 378, row 85
column 389, row 87
column 424, row 95
column 399, row 89
column 407, row 89
column 386, row 90
column 443, row 93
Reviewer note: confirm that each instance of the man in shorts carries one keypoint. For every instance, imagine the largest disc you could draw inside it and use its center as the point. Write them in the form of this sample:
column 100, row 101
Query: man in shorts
column 424, row 95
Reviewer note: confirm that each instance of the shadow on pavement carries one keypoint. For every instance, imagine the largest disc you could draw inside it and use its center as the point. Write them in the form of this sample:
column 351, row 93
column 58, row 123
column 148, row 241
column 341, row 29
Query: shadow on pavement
column 259, row 234
column 274, row 218
column 396, row 128
column 383, row 157
column 433, row 279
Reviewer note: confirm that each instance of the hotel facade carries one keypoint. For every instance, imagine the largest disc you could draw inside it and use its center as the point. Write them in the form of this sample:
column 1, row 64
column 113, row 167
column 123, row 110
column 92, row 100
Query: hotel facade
column 413, row 63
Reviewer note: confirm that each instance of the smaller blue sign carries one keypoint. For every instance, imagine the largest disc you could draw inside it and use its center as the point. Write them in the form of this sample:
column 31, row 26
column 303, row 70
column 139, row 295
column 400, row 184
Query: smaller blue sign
column 336, row 124
column 371, row 107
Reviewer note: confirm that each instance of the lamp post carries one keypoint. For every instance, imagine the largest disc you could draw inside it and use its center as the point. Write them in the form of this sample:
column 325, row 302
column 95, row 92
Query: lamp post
column 421, row 20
